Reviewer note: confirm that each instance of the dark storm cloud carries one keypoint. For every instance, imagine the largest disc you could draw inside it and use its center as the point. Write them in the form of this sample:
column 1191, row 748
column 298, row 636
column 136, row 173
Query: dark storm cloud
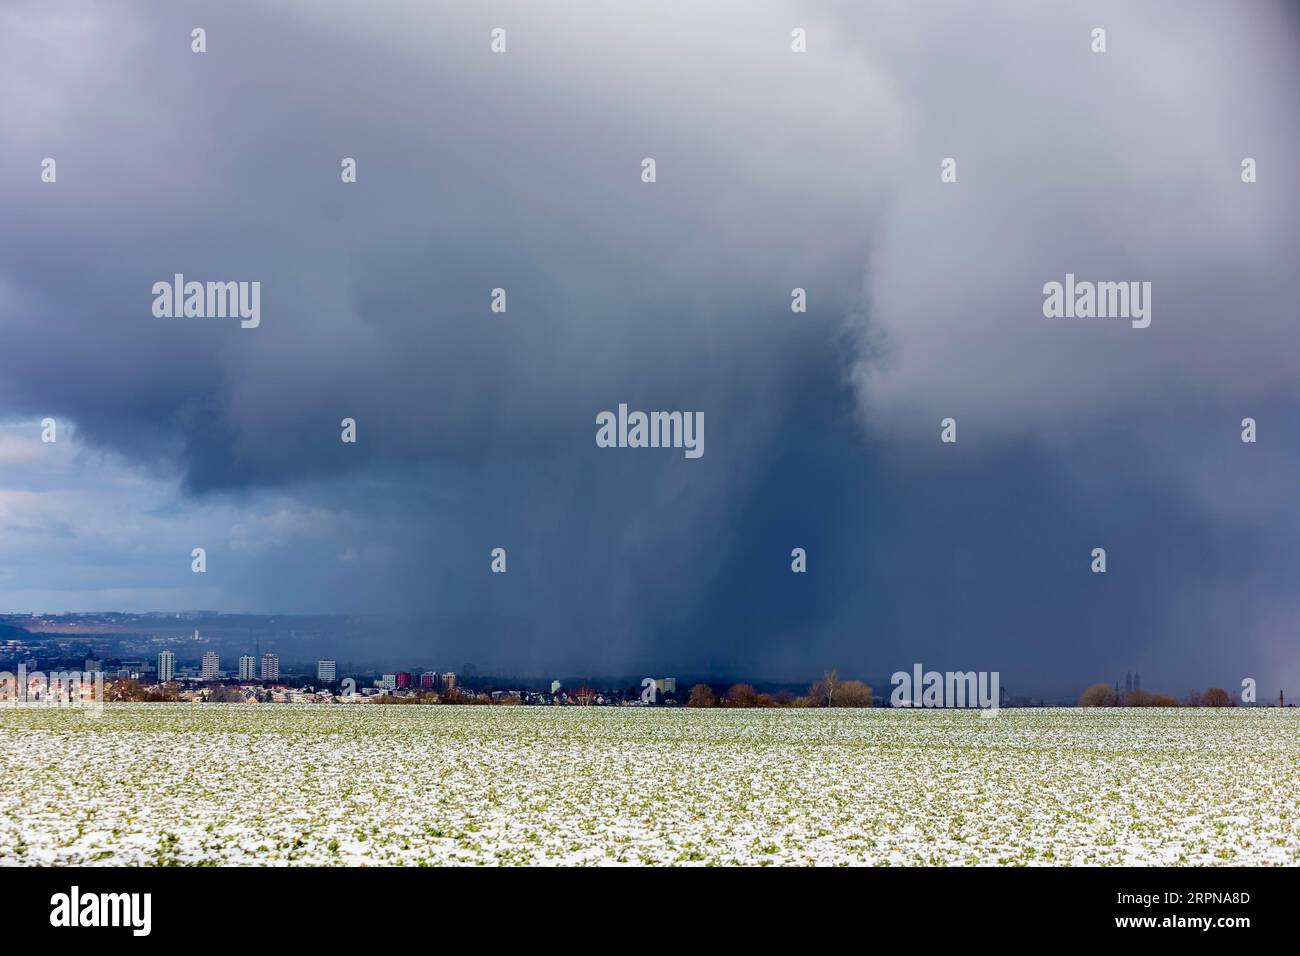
column 775, row 171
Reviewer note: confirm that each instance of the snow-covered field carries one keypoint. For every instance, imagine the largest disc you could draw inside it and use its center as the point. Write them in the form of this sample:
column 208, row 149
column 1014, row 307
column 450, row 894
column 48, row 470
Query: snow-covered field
column 256, row 784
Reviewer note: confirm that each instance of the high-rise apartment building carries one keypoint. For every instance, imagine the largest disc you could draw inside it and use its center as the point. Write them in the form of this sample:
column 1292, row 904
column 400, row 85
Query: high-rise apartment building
column 211, row 666
column 270, row 667
column 325, row 672
column 248, row 667
column 166, row 666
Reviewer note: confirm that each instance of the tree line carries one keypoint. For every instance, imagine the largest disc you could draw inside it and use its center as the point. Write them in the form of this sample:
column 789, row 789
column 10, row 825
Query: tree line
column 829, row 691
column 1103, row 695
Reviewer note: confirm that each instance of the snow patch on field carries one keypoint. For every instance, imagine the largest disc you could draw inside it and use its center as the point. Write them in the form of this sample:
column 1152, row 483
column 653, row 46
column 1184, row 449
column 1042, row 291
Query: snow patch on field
column 293, row 784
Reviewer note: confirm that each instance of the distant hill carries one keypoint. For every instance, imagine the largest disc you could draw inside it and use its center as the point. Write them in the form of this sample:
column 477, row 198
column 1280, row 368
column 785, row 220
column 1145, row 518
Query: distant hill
column 10, row 632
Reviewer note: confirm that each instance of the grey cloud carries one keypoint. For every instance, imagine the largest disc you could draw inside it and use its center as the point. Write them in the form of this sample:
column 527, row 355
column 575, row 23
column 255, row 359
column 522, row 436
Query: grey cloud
column 775, row 171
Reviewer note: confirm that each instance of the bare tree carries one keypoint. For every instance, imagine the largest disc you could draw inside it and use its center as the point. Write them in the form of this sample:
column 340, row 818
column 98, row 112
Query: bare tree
column 702, row 696
column 853, row 693
column 831, row 681
column 822, row 692
column 124, row 690
column 742, row 695
column 1098, row 695
column 1216, row 697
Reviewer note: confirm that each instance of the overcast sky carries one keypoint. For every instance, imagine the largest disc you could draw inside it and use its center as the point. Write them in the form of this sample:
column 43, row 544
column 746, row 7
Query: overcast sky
column 775, row 170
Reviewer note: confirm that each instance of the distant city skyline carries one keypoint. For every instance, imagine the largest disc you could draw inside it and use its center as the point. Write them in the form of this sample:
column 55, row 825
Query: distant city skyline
column 308, row 660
